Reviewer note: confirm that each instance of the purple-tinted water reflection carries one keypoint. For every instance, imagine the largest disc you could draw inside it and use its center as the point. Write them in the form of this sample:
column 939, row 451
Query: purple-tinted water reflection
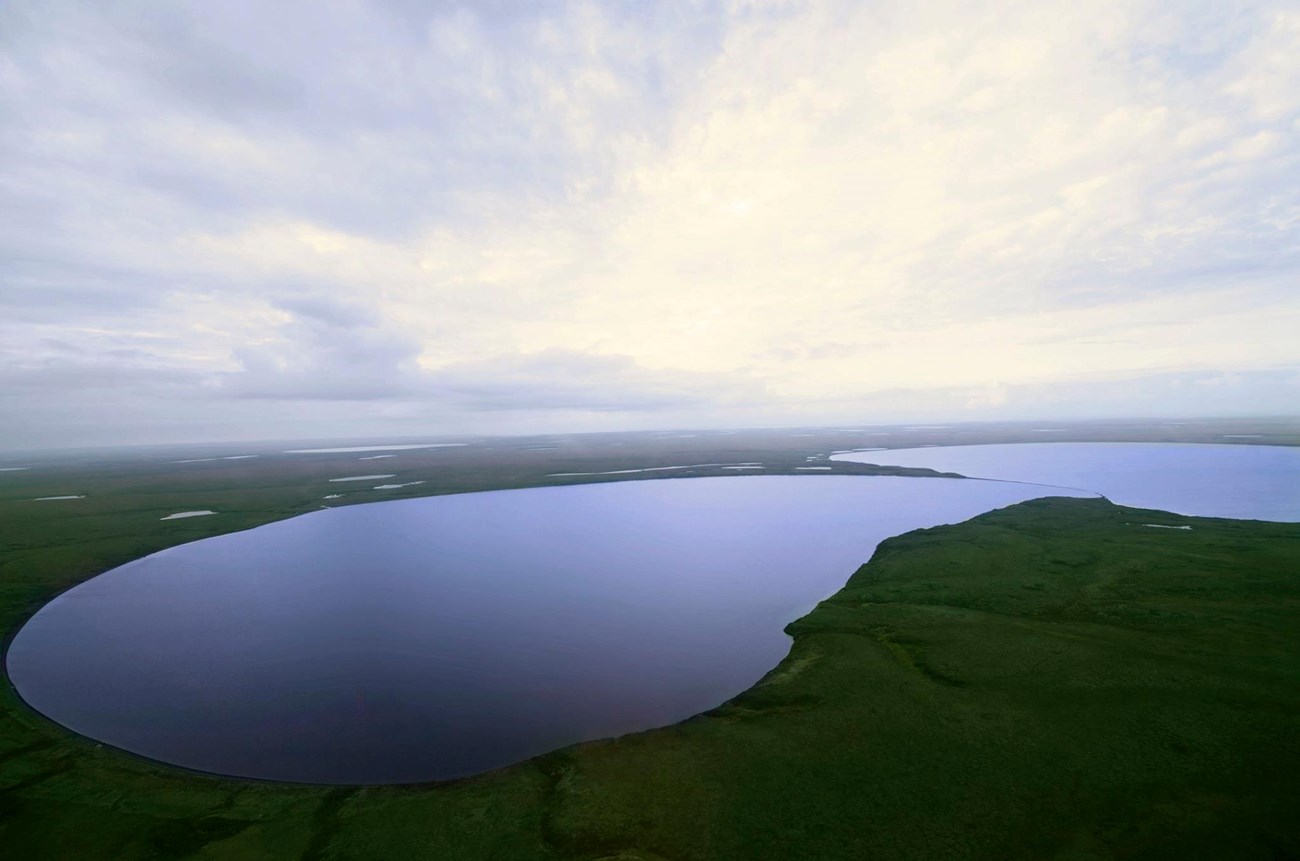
column 435, row 638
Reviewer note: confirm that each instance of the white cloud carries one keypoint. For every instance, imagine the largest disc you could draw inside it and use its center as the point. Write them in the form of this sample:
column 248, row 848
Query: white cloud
column 830, row 207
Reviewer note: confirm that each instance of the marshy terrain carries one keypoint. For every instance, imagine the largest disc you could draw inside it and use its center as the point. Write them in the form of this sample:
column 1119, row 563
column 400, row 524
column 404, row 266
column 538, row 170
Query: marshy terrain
column 1061, row 678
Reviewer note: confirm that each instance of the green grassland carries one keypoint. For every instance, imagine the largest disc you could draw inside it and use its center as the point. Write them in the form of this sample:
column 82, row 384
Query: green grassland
column 1051, row 680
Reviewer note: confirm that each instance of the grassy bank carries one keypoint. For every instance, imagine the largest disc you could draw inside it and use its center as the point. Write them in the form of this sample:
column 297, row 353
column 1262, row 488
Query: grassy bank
column 1055, row 679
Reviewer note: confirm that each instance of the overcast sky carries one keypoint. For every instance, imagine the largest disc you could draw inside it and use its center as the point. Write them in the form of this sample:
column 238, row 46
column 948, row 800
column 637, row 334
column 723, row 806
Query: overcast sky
column 252, row 220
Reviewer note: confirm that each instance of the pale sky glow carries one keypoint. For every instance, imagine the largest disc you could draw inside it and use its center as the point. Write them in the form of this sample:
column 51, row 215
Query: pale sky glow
column 223, row 221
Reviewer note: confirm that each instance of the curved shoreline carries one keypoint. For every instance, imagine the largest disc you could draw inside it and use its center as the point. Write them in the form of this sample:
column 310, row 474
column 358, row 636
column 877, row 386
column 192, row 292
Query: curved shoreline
column 42, row 685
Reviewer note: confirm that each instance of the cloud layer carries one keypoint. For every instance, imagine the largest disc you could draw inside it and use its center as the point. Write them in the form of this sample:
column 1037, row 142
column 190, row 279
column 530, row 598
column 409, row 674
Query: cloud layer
column 224, row 220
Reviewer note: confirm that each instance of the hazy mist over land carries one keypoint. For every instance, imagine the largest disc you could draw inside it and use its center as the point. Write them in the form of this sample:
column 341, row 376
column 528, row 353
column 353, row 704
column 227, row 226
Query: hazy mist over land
column 234, row 220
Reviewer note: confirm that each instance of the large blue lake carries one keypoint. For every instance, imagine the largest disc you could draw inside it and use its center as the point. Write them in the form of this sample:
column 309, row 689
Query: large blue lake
column 436, row 638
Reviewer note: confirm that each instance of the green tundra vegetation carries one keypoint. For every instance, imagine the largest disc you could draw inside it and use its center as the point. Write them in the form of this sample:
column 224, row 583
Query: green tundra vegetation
column 1057, row 679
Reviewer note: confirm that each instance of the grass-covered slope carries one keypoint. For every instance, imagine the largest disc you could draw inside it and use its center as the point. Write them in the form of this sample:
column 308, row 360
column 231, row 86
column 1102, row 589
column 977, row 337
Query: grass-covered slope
column 1052, row 680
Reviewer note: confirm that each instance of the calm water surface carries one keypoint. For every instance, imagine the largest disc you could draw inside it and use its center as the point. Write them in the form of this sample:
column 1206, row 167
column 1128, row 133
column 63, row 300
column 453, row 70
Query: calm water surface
column 1248, row 482
column 436, row 638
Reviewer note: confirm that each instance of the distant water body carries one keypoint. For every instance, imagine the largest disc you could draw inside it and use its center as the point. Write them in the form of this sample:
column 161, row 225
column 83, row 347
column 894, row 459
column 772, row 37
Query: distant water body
column 1247, row 482
column 435, row 638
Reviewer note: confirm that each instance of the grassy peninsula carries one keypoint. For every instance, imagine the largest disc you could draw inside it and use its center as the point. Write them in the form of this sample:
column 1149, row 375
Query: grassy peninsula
column 1059, row 679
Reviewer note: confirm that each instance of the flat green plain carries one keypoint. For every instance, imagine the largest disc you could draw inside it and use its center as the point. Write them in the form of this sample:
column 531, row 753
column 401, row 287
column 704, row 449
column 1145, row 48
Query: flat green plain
column 1052, row 680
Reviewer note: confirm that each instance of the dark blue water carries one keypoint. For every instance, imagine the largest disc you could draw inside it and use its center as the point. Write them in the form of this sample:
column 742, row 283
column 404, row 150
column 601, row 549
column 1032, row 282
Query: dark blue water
column 435, row 638
column 1247, row 482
